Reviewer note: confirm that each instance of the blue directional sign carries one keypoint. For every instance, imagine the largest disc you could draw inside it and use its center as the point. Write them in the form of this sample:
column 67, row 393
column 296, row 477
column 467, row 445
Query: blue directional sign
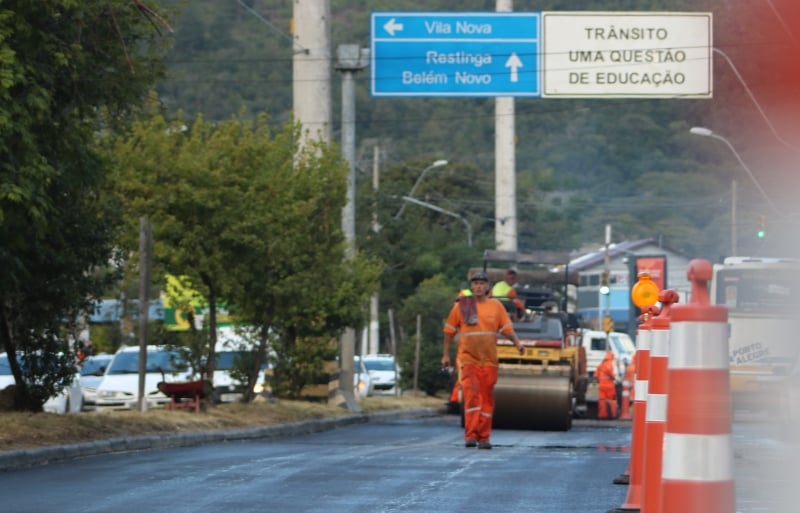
column 468, row 54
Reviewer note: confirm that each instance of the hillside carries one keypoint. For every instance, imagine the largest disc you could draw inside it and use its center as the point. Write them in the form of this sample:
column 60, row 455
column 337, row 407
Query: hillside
column 581, row 163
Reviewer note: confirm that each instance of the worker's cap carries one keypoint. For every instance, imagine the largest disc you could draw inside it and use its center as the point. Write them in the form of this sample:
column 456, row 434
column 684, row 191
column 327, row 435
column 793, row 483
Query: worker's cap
column 479, row 276
column 511, row 270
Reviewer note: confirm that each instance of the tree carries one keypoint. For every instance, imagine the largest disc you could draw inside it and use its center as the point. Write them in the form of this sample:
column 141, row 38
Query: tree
column 250, row 218
column 432, row 301
column 61, row 62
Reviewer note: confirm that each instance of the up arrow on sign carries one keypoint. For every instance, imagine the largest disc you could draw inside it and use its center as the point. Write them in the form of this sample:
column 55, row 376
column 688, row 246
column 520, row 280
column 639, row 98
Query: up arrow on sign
column 514, row 63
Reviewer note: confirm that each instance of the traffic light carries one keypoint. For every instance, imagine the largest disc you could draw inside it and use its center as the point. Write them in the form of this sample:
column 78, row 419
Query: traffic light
column 608, row 324
column 762, row 227
column 604, row 288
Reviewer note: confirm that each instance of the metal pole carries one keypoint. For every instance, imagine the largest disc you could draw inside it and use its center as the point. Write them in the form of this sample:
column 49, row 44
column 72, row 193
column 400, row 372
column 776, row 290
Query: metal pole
column 351, row 58
column 416, row 354
column 607, row 270
column 374, row 303
column 734, row 248
column 145, row 245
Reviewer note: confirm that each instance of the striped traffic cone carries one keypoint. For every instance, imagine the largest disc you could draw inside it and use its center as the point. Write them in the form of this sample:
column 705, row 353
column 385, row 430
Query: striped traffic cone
column 697, row 471
column 655, row 418
column 633, row 498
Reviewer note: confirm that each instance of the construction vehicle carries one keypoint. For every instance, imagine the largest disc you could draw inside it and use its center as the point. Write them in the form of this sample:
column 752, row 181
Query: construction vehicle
column 546, row 387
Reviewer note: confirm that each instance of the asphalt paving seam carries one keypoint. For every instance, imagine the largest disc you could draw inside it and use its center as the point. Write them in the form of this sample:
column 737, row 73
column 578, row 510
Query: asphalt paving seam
column 12, row 460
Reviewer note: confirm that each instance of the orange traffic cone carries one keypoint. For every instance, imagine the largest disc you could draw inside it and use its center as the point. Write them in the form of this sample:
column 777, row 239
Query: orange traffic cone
column 697, row 471
column 633, row 498
column 655, row 418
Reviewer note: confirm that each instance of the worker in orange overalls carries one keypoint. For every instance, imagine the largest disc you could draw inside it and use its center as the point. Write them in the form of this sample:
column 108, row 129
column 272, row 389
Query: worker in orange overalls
column 477, row 358
column 606, row 376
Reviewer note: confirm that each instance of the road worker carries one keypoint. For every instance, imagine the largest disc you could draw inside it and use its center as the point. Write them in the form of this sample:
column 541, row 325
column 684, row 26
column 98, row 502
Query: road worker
column 477, row 358
column 606, row 376
column 505, row 292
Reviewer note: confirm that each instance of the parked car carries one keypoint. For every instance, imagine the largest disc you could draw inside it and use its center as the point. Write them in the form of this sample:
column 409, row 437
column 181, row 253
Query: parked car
column 119, row 388
column 361, row 379
column 92, row 371
column 69, row 400
column 383, row 372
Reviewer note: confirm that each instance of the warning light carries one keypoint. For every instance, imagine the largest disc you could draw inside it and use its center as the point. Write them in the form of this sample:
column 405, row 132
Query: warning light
column 644, row 292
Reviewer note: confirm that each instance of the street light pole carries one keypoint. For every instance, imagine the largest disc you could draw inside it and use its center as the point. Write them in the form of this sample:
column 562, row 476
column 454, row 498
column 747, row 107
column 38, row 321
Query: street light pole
column 352, row 59
column 445, row 212
column 438, row 163
column 707, row 132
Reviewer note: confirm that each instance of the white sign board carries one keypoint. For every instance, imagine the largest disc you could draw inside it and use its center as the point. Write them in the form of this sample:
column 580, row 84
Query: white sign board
column 627, row 54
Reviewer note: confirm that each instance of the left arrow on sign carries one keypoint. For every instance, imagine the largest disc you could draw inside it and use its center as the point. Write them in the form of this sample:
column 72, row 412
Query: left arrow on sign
column 392, row 26
column 514, row 63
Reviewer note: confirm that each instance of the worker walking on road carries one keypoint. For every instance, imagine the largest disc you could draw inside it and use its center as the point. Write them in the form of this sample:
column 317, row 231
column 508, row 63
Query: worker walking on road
column 477, row 358
column 606, row 376
column 505, row 292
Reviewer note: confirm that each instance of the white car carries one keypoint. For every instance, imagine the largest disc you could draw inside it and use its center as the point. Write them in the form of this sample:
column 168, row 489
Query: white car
column 119, row 388
column 69, row 400
column 93, row 369
column 383, row 372
column 362, row 380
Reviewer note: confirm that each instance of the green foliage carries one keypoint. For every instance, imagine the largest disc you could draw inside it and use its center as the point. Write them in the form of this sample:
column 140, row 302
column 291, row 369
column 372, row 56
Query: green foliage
column 432, row 302
column 62, row 62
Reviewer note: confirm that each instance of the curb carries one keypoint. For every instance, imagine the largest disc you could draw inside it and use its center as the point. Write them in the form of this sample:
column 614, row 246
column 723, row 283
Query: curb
column 12, row 460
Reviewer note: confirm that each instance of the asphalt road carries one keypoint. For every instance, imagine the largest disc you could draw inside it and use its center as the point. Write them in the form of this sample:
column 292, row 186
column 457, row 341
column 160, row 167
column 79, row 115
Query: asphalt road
column 391, row 463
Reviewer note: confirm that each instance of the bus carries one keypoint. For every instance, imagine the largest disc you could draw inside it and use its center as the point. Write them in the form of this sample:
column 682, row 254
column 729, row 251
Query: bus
column 762, row 296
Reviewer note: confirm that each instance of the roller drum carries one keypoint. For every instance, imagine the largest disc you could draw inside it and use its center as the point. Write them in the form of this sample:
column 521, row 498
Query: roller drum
column 526, row 400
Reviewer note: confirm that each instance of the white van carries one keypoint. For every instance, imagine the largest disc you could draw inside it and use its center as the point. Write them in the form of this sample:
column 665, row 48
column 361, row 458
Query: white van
column 596, row 344
column 232, row 344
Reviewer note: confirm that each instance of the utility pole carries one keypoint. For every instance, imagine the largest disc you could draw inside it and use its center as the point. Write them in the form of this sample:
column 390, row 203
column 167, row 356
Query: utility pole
column 351, row 59
column 605, row 285
column 311, row 68
column 505, row 188
column 374, row 302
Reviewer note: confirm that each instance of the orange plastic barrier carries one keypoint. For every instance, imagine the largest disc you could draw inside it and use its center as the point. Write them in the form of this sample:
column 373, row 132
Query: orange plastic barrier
column 697, row 468
column 655, row 418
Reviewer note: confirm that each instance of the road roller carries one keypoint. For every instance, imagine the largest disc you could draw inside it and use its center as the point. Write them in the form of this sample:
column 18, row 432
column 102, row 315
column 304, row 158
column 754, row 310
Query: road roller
column 544, row 388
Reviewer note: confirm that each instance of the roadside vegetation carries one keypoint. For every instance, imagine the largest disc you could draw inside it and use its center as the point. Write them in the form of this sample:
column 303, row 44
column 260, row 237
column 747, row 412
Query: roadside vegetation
column 24, row 430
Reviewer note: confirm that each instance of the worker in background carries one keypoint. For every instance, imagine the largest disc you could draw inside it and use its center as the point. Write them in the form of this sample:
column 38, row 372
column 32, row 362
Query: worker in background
column 629, row 378
column 606, row 376
column 477, row 358
column 504, row 291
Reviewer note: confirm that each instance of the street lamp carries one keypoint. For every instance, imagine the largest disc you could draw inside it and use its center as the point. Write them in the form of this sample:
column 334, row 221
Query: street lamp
column 438, row 163
column 445, row 212
column 707, row 132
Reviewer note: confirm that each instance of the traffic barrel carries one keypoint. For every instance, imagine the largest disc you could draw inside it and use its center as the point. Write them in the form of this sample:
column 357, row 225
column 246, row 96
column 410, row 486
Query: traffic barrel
column 697, row 468
column 655, row 417
column 633, row 499
column 644, row 295
column 627, row 385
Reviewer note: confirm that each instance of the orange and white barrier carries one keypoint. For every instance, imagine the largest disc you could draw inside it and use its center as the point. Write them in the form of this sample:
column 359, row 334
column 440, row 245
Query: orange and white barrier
column 656, row 415
column 697, row 468
column 633, row 499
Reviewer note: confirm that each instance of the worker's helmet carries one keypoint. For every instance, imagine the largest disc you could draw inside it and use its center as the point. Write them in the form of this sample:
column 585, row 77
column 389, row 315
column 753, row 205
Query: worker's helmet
column 479, row 276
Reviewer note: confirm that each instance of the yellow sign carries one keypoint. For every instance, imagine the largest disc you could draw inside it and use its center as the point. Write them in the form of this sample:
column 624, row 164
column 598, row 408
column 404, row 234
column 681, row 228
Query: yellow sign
column 644, row 292
column 182, row 303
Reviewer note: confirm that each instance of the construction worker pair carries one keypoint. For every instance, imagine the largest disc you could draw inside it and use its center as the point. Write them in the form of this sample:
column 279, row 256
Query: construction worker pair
column 471, row 442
